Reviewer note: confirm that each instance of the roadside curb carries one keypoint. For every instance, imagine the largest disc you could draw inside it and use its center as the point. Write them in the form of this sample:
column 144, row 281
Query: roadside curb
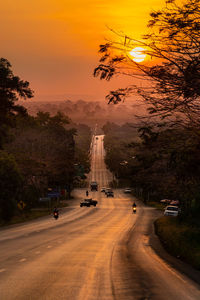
column 174, row 262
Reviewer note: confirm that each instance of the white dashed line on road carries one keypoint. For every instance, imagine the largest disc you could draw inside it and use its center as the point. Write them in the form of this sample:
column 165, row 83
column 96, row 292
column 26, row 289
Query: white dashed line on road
column 49, row 247
column 23, row 259
column 37, row 252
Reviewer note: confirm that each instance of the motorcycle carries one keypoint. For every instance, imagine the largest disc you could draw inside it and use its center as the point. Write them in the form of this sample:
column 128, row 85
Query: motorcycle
column 55, row 214
column 134, row 210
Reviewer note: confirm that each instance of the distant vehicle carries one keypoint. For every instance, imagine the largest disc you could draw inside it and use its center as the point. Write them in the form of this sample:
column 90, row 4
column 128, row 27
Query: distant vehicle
column 56, row 215
column 127, row 190
column 97, row 138
column 108, row 190
column 103, row 189
column 134, row 209
column 94, row 186
column 110, row 194
column 174, row 202
column 88, row 202
column 84, row 203
column 165, row 201
column 171, row 210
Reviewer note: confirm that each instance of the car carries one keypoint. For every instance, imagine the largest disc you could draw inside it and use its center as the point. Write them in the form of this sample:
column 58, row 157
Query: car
column 85, row 203
column 91, row 201
column 88, row 202
column 103, row 189
column 165, row 201
column 171, row 210
column 174, row 202
column 127, row 190
column 110, row 194
column 97, row 138
column 108, row 190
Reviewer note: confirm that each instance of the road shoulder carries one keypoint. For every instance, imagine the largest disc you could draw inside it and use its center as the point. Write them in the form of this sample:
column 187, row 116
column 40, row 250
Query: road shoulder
column 174, row 262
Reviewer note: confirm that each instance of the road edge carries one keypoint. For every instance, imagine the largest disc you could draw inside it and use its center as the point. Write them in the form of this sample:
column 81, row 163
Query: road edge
column 174, row 262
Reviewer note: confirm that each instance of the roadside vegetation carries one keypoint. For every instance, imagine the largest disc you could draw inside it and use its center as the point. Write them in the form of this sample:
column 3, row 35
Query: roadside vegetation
column 39, row 154
column 181, row 239
column 164, row 162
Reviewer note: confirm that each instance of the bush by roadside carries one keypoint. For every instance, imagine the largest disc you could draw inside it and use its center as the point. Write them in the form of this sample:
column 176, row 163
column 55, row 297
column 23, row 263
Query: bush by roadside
column 26, row 216
column 180, row 238
column 156, row 204
column 34, row 213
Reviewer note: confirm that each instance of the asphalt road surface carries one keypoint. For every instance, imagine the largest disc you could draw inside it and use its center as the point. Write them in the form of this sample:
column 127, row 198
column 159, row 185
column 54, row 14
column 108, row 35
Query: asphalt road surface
column 89, row 253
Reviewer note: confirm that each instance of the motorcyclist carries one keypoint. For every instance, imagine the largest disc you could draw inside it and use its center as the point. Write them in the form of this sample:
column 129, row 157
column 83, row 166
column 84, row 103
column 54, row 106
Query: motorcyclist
column 55, row 210
column 87, row 193
column 134, row 207
column 55, row 213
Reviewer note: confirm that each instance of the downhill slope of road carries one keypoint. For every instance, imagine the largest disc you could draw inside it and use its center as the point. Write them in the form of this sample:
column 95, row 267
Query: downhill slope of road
column 89, row 253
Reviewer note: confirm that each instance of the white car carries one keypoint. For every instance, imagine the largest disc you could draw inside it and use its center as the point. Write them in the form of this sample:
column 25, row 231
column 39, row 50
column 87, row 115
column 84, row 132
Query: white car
column 127, row 190
column 171, row 210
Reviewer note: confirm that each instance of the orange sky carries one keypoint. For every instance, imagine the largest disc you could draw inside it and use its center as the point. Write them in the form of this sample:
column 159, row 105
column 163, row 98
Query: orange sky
column 54, row 43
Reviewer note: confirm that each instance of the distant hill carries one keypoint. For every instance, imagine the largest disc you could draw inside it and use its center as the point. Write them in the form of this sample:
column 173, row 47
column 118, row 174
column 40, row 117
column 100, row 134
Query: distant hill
column 86, row 112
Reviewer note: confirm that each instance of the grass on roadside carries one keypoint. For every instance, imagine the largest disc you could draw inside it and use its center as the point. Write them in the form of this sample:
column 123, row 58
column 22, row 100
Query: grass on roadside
column 156, row 204
column 34, row 213
column 180, row 238
column 26, row 216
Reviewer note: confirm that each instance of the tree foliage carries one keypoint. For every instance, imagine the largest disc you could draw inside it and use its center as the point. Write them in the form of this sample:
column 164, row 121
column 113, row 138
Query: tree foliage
column 44, row 150
column 173, row 74
column 10, row 185
column 12, row 88
column 162, row 164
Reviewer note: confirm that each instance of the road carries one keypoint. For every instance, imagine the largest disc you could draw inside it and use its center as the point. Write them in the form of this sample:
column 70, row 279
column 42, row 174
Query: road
column 89, row 253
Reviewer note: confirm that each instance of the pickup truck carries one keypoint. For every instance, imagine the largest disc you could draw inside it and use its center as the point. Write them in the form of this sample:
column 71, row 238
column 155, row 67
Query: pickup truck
column 88, row 202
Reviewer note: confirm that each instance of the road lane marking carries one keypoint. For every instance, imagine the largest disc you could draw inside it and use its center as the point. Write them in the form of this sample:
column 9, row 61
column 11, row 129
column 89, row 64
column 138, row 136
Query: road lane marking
column 49, row 247
column 2, row 270
column 23, row 259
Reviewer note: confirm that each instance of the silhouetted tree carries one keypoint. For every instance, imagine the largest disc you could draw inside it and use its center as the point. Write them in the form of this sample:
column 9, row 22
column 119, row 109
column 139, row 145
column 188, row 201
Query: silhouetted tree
column 173, row 74
column 10, row 185
column 44, row 150
column 11, row 89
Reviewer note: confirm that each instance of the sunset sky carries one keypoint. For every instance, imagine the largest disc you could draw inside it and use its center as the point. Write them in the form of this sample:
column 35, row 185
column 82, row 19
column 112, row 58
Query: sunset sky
column 54, row 43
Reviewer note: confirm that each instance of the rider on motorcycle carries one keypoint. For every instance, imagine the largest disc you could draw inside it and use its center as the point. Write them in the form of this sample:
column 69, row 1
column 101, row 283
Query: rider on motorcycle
column 134, row 207
column 55, row 210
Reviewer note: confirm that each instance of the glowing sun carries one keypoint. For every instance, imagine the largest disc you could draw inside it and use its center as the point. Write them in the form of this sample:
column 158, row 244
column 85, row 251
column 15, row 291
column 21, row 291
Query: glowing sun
column 138, row 54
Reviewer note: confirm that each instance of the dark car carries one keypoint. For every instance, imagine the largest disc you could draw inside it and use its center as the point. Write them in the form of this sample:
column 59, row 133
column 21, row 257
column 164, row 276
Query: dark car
column 88, row 202
column 110, row 194
column 107, row 190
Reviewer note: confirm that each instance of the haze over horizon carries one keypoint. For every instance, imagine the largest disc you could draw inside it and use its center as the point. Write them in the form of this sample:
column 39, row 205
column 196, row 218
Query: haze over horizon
column 54, row 44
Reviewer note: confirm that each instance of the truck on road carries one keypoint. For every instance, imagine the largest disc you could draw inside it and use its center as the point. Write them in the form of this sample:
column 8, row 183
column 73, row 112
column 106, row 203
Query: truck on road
column 94, row 186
